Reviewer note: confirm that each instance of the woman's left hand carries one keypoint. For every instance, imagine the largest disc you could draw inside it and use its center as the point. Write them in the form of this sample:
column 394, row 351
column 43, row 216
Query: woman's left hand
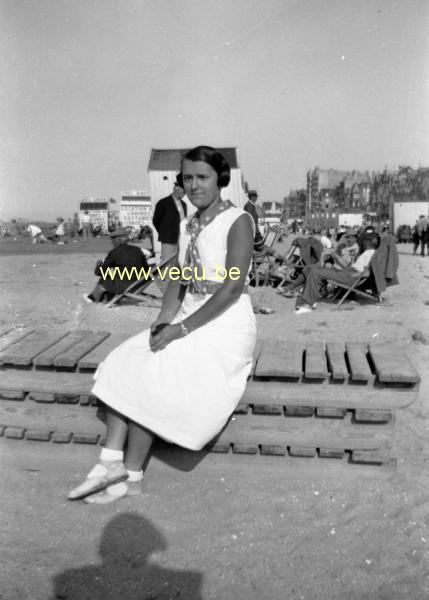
column 166, row 335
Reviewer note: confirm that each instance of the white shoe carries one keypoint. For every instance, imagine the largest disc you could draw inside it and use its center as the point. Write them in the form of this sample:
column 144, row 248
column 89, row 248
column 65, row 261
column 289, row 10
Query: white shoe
column 303, row 309
column 87, row 299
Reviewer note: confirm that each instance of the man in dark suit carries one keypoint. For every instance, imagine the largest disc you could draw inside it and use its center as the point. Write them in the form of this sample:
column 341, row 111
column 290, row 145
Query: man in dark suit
column 122, row 256
column 169, row 211
column 250, row 207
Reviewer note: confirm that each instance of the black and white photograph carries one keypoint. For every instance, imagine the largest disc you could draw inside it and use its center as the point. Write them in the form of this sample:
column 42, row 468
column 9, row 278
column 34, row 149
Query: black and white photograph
column 214, row 305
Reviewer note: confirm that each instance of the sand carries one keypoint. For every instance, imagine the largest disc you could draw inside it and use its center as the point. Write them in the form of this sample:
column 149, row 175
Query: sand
column 226, row 527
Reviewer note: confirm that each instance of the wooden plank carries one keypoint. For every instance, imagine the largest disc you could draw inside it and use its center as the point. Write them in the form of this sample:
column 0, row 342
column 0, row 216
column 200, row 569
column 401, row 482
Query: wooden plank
column 392, row 365
column 299, row 411
column 273, row 450
column 293, row 355
column 331, row 453
column 372, row 416
column 256, row 392
column 12, row 394
column 280, row 359
column 336, row 360
column 240, row 448
column 71, row 357
column 23, row 352
column 358, row 361
column 16, row 433
column 242, row 408
column 5, row 329
column 46, row 358
column 14, row 336
column 38, row 435
column 315, row 361
column 41, row 382
column 306, row 452
column 328, row 396
column 99, row 353
column 267, row 409
column 331, row 413
column 256, row 354
column 371, row 457
column 249, row 430
column 52, row 417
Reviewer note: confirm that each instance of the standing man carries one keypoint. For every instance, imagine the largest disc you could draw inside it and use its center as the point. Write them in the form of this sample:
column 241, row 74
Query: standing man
column 422, row 229
column 250, row 207
column 76, row 226
column 86, row 225
column 169, row 212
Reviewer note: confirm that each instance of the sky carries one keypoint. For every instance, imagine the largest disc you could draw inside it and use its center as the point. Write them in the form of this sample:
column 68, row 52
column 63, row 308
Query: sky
column 89, row 87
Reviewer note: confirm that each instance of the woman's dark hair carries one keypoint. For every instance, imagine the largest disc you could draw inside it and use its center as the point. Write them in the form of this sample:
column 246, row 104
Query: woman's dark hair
column 213, row 158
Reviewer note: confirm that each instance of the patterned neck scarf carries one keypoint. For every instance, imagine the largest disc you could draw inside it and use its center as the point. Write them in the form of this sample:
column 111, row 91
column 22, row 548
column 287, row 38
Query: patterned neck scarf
column 194, row 227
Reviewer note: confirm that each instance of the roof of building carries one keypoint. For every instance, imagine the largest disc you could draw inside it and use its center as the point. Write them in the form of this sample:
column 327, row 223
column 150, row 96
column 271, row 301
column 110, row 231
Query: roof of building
column 356, row 177
column 330, row 178
column 94, row 205
column 272, row 207
column 169, row 160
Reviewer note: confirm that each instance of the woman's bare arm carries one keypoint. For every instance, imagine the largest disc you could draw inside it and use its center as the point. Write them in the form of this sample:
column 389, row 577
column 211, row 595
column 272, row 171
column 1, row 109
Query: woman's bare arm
column 239, row 254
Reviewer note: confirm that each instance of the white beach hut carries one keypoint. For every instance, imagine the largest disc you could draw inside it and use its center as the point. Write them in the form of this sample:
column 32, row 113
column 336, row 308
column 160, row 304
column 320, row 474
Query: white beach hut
column 165, row 164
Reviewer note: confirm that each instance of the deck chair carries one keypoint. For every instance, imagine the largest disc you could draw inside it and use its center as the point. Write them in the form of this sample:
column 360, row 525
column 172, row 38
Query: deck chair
column 295, row 262
column 381, row 273
column 364, row 286
column 259, row 272
column 137, row 290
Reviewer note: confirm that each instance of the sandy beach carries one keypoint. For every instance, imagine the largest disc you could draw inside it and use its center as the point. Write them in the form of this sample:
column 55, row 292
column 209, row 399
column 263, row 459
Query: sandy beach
column 216, row 527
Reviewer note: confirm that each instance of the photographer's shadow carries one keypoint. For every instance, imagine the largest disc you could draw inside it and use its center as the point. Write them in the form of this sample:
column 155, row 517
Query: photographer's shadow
column 125, row 548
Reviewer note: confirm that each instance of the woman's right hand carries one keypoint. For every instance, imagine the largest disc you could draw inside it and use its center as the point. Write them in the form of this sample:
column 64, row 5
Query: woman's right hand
column 159, row 320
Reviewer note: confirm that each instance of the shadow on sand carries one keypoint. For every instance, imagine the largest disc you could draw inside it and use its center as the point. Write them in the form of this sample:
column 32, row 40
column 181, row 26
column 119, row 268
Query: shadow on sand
column 126, row 570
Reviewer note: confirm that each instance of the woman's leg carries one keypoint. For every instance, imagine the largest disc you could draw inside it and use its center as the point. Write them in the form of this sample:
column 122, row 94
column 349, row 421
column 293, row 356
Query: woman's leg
column 110, row 468
column 136, row 457
column 138, row 447
column 117, row 430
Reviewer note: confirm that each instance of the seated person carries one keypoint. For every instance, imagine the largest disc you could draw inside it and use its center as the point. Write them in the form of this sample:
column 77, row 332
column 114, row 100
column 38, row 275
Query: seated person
column 123, row 255
column 325, row 239
column 345, row 254
column 316, row 276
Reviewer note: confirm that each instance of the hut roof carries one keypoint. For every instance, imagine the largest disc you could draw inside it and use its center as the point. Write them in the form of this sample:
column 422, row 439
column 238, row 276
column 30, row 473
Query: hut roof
column 169, row 159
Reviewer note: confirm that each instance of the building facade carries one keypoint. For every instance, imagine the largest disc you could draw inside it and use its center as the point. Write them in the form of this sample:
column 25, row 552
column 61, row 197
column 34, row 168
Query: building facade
column 98, row 210
column 295, row 205
column 135, row 209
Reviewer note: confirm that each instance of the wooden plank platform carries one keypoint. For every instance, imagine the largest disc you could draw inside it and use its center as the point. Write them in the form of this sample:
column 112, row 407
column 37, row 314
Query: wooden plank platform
column 302, row 432
column 244, row 433
column 302, row 399
column 271, row 393
column 283, row 360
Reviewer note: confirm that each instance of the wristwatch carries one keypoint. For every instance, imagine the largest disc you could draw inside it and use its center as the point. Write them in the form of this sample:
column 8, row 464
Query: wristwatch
column 183, row 328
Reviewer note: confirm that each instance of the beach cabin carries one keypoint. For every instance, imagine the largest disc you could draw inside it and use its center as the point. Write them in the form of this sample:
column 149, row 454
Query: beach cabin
column 165, row 164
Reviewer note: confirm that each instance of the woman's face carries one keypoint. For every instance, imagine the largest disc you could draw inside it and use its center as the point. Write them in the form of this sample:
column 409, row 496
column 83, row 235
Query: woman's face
column 200, row 181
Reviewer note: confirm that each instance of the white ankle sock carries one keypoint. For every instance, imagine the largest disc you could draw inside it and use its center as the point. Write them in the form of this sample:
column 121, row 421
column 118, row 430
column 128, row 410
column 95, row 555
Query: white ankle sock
column 135, row 475
column 108, row 454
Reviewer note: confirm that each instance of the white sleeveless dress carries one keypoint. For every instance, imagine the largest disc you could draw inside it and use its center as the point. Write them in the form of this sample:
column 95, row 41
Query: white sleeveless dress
column 186, row 392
